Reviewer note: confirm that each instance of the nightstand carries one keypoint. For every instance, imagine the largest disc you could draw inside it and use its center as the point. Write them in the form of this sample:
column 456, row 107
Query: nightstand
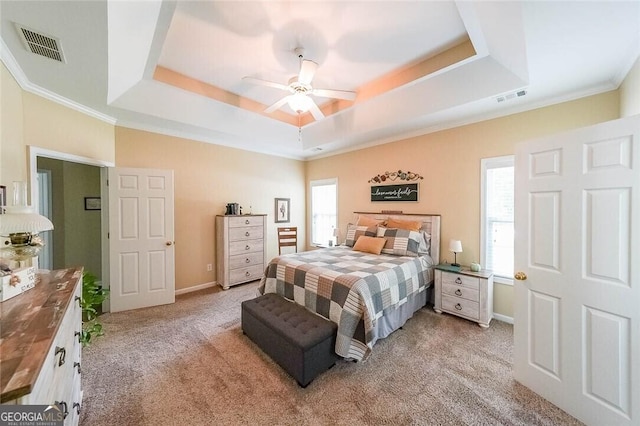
column 464, row 293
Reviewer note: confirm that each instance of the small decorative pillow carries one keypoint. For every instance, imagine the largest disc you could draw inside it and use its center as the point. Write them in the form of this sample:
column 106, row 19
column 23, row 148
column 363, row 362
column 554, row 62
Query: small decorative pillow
column 367, row 221
column 411, row 225
column 368, row 244
column 401, row 242
column 354, row 232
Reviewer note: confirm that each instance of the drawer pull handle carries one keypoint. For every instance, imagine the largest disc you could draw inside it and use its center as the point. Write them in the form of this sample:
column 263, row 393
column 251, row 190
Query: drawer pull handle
column 458, row 307
column 248, row 274
column 247, row 247
column 78, row 299
column 79, row 334
column 458, row 280
column 65, row 409
column 246, row 234
column 458, row 292
column 76, row 405
column 246, row 221
column 77, row 365
column 63, row 354
column 247, row 260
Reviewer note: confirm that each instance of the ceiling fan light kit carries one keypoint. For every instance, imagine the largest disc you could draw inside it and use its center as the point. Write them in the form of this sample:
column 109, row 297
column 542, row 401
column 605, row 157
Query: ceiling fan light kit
column 300, row 87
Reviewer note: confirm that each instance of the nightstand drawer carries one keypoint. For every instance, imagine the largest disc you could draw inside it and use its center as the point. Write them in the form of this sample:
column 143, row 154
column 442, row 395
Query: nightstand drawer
column 472, row 294
column 459, row 279
column 460, row 306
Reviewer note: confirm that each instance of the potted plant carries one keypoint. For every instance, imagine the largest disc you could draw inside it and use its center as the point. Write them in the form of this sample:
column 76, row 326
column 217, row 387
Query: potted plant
column 92, row 297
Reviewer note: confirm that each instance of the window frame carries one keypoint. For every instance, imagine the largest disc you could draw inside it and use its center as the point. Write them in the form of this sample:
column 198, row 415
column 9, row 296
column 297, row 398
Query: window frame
column 485, row 165
column 312, row 184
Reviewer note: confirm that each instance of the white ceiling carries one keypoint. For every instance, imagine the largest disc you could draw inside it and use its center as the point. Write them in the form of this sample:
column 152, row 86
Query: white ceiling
column 556, row 51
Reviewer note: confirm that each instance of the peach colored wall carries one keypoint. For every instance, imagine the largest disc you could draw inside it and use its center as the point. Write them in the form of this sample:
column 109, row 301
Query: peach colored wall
column 630, row 92
column 450, row 163
column 207, row 177
column 29, row 119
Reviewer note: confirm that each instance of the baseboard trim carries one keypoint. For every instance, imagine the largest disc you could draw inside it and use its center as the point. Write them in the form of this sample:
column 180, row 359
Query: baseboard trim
column 503, row 318
column 195, row 288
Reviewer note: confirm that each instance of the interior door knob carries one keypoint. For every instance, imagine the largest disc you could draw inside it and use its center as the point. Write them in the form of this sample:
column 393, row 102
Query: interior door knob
column 168, row 243
column 521, row 276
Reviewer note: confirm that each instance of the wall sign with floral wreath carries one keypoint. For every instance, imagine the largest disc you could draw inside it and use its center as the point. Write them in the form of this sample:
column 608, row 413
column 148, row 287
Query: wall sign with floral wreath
column 393, row 176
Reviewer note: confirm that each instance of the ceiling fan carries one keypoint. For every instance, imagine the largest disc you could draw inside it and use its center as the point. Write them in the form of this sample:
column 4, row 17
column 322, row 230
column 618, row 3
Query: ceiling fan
column 300, row 89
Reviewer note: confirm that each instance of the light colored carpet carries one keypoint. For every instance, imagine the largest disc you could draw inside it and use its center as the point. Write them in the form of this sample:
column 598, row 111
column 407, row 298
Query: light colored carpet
column 189, row 364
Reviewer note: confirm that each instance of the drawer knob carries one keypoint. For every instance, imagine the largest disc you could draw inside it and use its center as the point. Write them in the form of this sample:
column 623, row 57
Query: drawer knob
column 246, row 221
column 63, row 353
column 248, row 274
column 247, row 260
column 458, row 292
column 520, row 276
column 458, row 307
column 458, row 280
column 246, row 234
column 247, row 247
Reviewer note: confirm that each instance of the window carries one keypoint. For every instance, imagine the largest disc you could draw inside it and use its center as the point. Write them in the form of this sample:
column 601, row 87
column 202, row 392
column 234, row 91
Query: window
column 324, row 212
column 497, row 210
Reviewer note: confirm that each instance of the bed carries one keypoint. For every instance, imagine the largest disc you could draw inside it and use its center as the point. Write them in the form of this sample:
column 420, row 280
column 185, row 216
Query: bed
column 367, row 295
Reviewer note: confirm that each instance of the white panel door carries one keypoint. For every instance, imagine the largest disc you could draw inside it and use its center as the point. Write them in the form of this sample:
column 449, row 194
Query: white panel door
column 141, row 239
column 577, row 290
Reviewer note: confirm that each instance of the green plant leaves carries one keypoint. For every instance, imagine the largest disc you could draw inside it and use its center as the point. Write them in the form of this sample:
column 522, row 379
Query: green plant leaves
column 92, row 297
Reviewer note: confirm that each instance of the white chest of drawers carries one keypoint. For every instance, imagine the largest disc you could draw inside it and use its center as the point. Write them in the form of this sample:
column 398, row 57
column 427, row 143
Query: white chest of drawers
column 464, row 293
column 40, row 348
column 240, row 248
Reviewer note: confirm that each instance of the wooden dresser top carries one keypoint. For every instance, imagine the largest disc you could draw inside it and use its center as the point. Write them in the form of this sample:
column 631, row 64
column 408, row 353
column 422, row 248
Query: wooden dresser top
column 28, row 325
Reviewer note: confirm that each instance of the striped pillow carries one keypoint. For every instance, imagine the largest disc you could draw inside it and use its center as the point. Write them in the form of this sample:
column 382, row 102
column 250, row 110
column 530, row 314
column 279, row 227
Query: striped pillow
column 354, row 232
column 401, row 242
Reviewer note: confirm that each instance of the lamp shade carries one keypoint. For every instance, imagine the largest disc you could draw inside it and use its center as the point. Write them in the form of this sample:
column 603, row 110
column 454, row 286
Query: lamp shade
column 455, row 246
column 336, row 232
column 11, row 223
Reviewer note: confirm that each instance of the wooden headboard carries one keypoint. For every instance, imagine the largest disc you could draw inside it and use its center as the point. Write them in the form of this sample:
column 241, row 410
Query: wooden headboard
column 430, row 224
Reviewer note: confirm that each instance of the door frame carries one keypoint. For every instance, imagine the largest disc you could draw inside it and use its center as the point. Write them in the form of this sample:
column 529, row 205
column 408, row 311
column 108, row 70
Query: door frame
column 33, row 152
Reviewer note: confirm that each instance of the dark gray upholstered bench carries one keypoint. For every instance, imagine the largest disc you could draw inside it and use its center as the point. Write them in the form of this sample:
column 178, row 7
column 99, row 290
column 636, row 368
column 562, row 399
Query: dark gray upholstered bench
column 301, row 342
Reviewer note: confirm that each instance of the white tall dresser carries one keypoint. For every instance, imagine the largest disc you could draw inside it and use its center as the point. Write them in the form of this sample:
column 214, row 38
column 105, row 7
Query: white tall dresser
column 240, row 248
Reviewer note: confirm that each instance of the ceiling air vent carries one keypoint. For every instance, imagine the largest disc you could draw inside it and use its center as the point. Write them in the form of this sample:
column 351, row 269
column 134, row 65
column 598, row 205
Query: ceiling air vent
column 41, row 44
column 511, row 95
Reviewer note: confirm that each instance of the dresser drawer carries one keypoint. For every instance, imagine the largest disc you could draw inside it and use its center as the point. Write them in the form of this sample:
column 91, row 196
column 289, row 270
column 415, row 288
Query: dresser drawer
column 241, row 221
column 244, row 261
column 246, row 233
column 460, row 280
column 461, row 306
column 251, row 246
column 245, row 274
column 460, row 291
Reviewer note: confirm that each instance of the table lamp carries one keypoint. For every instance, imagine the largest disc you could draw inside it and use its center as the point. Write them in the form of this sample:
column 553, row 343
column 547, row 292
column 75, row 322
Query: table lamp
column 456, row 247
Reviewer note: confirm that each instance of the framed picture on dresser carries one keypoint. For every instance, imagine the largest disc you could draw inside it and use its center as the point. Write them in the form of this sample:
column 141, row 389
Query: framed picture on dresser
column 282, row 213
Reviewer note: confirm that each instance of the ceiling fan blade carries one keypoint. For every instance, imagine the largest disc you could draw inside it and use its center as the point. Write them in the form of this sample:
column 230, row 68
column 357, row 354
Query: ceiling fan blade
column 315, row 111
column 336, row 94
column 277, row 105
column 267, row 83
column 307, row 71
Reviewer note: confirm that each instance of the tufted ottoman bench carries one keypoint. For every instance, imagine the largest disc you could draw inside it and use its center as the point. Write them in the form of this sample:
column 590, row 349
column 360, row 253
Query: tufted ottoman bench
column 301, row 342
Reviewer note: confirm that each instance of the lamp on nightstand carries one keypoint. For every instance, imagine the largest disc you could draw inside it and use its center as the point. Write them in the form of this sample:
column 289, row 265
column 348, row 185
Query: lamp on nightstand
column 456, row 247
column 336, row 233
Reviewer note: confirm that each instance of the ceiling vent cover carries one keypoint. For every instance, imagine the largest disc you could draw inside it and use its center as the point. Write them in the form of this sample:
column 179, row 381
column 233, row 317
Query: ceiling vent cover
column 41, row 44
column 511, row 95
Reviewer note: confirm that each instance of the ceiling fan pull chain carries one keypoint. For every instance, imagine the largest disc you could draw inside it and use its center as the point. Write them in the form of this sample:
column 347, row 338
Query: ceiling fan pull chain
column 299, row 130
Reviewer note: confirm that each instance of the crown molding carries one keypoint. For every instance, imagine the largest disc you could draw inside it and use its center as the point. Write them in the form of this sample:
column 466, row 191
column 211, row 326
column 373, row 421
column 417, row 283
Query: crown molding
column 16, row 71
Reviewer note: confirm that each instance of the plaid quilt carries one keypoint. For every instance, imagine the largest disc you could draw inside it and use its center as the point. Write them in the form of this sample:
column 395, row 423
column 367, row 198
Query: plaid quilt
column 350, row 288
